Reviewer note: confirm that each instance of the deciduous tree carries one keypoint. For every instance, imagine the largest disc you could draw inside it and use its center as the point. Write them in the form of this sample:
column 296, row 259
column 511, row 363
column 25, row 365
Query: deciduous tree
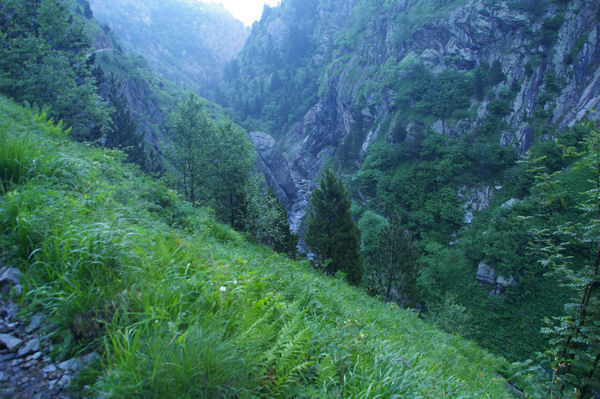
column 394, row 267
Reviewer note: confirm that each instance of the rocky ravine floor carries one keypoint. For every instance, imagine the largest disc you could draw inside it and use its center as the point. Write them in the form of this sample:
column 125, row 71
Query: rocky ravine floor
column 26, row 367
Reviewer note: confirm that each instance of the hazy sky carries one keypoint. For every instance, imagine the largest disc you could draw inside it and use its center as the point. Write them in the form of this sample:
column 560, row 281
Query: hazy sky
column 246, row 11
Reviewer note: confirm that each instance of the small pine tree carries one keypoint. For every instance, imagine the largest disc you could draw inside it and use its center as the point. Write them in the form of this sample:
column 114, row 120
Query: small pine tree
column 331, row 233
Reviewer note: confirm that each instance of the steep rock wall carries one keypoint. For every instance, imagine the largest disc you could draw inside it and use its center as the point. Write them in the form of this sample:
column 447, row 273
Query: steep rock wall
column 551, row 57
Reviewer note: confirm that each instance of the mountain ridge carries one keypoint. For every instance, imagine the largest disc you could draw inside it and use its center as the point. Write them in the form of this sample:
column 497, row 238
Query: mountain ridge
column 145, row 28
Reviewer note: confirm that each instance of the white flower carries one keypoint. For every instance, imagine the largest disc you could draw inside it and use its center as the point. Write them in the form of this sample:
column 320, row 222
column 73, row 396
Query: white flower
column 223, row 289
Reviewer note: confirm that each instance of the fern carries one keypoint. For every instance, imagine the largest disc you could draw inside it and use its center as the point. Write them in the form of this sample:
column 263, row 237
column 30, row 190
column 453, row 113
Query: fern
column 327, row 374
column 289, row 359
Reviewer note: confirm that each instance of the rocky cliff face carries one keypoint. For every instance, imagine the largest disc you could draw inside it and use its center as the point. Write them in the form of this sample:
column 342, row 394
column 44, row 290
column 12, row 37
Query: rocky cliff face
column 547, row 56
column 149, row 97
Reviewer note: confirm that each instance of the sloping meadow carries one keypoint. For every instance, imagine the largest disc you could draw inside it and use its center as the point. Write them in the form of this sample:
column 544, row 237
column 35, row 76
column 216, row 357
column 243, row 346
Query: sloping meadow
column 180, row 306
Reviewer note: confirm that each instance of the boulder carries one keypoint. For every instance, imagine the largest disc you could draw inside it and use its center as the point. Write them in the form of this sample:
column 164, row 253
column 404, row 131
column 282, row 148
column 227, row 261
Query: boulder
column 506, row 282
column 485, row 274
column 510, row 203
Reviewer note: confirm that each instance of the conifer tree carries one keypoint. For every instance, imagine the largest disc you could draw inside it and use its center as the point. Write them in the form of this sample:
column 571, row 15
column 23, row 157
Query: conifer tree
column 331, row 233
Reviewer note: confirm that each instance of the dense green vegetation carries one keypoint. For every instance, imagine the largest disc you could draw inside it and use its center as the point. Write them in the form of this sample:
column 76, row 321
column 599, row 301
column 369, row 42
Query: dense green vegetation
column 180, row 305
column 438, row 130
column 283, row 85
column 44, row 60
column 500, row 236
column 393, row 265
column 213, row 165
column 218, row 169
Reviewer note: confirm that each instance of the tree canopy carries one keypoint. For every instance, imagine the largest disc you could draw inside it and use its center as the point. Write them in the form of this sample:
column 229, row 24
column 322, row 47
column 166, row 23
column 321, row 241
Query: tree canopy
column 215, row 161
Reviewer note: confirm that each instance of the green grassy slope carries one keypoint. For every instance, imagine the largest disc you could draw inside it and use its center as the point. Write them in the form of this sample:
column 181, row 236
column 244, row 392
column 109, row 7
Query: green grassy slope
column 181, row 306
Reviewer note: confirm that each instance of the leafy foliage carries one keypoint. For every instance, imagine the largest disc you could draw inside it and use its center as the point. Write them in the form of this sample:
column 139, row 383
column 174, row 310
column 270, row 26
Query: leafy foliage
column 575, row 336
column 215, row 162
column 266, row 218
column 394, row 266
column 214, row 166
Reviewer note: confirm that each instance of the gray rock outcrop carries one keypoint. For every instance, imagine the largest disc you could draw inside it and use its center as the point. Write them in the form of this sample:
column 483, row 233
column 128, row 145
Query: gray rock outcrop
column 487, row 276
column 275, row 167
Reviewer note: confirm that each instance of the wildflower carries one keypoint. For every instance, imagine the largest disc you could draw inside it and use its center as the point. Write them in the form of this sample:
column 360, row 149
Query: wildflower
column 223, row 289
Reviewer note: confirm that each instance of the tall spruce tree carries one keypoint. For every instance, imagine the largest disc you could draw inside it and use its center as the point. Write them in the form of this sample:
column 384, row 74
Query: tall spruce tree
column 331, row 233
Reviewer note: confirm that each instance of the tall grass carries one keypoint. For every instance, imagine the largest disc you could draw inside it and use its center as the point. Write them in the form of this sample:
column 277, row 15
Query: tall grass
column 16, row 160
column 181, row 306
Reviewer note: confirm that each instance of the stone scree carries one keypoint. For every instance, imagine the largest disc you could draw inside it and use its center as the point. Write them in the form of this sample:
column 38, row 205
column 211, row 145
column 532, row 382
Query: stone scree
column 26, row 368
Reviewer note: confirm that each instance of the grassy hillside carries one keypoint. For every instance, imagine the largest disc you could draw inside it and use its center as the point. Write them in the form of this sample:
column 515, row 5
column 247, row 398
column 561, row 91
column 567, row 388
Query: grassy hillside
column 181, row 306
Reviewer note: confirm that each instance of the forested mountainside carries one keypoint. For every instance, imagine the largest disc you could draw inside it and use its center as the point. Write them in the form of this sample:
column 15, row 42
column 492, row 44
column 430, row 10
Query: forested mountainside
column 428, row 107
column 187, row 42
column 445, row 154
column 334, row 76
column 148, row 97
column 177, row 305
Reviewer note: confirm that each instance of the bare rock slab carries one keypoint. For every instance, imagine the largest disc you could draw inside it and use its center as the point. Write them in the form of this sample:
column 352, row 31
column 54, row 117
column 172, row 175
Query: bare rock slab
column 9, row 342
